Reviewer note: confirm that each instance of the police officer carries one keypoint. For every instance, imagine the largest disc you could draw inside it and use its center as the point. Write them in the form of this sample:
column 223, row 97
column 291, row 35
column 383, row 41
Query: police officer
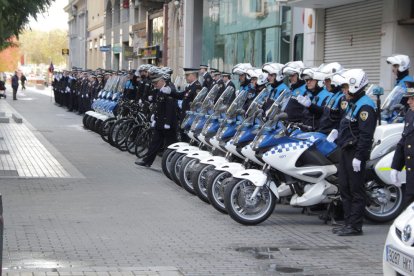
column 207, row 79
column 297, row 87
column 404, row 153
column 356, row 131
column 164, row 121
column 400, row 68
column 187, row 97
column 216, row 75
column 337, row 103
column 314, row 98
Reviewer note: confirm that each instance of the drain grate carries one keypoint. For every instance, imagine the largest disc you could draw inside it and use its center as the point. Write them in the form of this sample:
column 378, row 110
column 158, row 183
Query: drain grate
column 4, row 152
column 9, row 173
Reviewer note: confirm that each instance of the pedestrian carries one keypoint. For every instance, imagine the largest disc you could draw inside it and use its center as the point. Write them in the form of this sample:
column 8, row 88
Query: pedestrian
column 164, row 121
column 23, row 80
column 404, row 153
column 15, row 85
column 355, row 136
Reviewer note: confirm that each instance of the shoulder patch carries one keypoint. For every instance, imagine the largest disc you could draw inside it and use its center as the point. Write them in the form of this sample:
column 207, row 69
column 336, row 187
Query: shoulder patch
column 363, row 115
column 344, row 105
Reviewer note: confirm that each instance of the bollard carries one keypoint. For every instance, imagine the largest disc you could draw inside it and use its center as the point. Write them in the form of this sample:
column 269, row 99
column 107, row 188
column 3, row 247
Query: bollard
column 1, row 234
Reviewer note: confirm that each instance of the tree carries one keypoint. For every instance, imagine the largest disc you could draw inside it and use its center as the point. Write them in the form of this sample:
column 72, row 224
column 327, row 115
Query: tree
column 15, row 14
column 43, row 47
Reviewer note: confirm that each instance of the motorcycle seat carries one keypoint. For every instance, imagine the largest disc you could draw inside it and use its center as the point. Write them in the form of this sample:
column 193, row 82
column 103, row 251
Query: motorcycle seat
column 334, row 156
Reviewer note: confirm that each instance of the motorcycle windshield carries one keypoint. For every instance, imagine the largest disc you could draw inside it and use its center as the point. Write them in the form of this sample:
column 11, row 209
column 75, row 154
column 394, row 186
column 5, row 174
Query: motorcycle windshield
column 198, row 100
column 393, row 98
column 236, row 107
column 279, row 105
column 122, row 82
column 208, row 102
column 225, row 99
column 258, row 102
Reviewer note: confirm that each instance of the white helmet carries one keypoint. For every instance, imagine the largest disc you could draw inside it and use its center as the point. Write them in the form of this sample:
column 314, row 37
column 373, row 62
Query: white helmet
column 259, row 74
column 356, row 79
column 330, row 69
column 274, row 68
column 312, row 73
column 293, row 67
column 402, row 60
column 241, row 68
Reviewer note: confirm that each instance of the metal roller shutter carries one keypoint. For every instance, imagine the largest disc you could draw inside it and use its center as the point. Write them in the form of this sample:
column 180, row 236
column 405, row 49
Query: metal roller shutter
column 353, row 36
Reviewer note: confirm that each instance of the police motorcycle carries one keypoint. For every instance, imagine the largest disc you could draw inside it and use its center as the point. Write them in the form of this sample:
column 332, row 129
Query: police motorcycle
column 240, row 146
column 303, row 164
column 103, row 106
column 174, row 154
column 207, row 137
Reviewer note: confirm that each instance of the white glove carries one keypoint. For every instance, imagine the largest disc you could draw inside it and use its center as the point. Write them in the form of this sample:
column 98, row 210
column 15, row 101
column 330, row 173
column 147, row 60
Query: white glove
column 394, row 178
column 167, row 126
column 140, row 101
column 356, row 164
column 303, row 100
column 180, row 104
column 152, row 119
column 332, row 136
column 166, row 90
column 153, row 124
column 150, row 98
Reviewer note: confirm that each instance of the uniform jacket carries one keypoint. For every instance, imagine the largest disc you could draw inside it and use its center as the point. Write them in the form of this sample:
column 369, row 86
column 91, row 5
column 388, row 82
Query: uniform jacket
column 207, row 80
column 357, row 127
column 166, row 109
column 188, row 96
column 404, row 153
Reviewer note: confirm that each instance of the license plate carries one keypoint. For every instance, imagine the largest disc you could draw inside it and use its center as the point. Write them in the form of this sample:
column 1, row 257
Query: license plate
column 400, row 260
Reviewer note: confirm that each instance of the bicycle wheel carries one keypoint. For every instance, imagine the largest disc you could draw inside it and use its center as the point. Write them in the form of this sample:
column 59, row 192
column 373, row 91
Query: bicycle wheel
column 121, row 132
column 142, row 143
column 105, row 127
column 131, row 138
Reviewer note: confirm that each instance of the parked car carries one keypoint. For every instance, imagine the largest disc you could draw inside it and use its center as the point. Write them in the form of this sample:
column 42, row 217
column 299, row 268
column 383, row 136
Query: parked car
column 399, row 247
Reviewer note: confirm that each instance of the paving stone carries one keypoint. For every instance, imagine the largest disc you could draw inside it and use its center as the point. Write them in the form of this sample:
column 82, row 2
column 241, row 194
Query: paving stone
column 17, row 118
column 4, row 120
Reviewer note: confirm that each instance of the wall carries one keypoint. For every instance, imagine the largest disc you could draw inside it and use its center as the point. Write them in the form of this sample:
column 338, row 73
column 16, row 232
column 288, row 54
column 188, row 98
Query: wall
column 396, row 39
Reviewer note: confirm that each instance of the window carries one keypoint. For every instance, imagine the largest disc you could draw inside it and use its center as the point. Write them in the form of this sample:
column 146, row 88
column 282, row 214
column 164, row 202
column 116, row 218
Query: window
column 298, row 47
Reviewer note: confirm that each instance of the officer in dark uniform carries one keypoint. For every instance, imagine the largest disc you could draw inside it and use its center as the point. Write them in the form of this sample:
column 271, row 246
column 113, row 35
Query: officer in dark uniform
column 164, row 121
column 207, row 79
column 404, row 153
column 216, row 75
column 356, row 131
column 224, row 83
column 187, row 97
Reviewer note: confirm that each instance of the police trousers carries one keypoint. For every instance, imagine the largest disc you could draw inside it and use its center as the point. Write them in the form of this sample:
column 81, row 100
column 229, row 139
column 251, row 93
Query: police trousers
column 159, row 138
column 352, row 190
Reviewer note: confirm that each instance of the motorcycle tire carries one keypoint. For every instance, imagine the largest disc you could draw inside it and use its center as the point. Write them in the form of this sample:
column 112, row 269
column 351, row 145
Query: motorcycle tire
column 187, row 168
column 84, row 120
column 166, row 160
column 234, row 199
column 199, row 180
column 175, row 166
column 216, row 182
column 391, row 194
column 98, row 125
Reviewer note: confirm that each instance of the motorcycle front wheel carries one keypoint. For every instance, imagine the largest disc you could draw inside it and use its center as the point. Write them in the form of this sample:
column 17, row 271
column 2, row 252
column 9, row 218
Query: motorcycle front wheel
column 384, row 202
column 216, row 184
column 166, row 161
column 200, row 179
column 244, row 208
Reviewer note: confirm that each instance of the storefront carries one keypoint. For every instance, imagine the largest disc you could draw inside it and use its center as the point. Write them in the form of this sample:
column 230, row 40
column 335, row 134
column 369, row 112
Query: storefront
column 235, row 31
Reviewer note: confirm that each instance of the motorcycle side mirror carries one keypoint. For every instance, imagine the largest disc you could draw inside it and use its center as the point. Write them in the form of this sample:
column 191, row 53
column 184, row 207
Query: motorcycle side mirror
column 282, row 116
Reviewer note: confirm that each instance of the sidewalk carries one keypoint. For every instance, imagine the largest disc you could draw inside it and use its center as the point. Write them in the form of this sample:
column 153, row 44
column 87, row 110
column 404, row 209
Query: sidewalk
column 109, row 217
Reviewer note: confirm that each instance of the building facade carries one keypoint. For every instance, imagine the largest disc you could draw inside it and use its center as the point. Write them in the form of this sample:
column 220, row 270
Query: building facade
column 95, row 29
column 357, row 34
column 77, row 34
